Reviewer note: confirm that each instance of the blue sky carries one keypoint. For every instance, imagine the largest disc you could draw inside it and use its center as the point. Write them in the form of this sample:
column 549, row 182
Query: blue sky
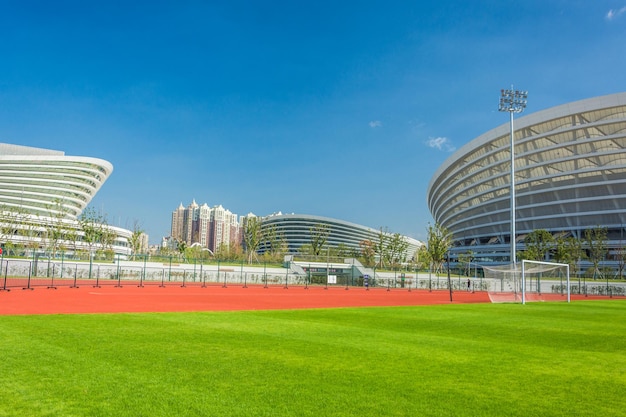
column 335, row 108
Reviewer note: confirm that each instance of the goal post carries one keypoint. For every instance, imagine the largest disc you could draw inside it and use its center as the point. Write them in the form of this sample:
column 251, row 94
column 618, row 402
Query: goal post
column 528, row 281
column 533, row 267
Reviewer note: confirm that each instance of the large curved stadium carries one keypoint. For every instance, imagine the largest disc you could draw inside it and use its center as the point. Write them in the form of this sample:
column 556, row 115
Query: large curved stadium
column 39, row 187
column 570, row 175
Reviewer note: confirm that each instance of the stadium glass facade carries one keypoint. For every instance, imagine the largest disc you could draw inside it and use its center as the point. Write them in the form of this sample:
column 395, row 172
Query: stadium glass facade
column 570, row 175
column 45, row 186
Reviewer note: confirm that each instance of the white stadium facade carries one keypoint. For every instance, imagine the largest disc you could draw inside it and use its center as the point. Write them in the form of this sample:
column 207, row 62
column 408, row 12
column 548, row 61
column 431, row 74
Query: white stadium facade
column 296, row 230
column 44, row 187
column 570, row 175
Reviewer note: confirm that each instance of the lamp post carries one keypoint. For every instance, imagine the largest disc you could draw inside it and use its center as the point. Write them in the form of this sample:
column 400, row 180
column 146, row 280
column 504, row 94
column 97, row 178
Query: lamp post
column 512, row 101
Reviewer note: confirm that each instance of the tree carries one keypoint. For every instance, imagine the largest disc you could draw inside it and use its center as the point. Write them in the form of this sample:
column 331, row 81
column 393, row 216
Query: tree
column 343, row 251
column 305, row 250
column 56, row 228
column 181, row 246
column 252, row 237
column 620, row 257
column 195, row 251
column 465, row 261
column 319, row 237
column 422, row 257
column 268, row 236
column 10, row 220
column 235, row 251
column 439, row 242
column 135, row 239
column 30, row 230
column 596, row 246
column 72, row 238
column 569, row 251
column 108, row 239
column 380, row 246
column 395, row 250
column 274, row 243
column 368, row 252
column 539, row 243
column 221, row 253
column 92, row 224
column 229, row 252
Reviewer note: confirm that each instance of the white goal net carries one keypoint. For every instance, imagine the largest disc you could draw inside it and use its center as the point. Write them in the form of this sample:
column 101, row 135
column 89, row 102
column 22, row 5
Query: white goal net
column 528, row 281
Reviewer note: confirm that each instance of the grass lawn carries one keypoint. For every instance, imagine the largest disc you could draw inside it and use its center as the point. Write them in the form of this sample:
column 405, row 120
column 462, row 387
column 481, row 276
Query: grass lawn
column 541, row 359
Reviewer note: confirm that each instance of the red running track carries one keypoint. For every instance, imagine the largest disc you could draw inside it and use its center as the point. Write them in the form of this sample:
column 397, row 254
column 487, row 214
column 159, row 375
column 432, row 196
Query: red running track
column 130, row 298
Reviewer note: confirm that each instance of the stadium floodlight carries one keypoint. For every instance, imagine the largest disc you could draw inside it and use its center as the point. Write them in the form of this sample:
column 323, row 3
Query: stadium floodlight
column 512, row 101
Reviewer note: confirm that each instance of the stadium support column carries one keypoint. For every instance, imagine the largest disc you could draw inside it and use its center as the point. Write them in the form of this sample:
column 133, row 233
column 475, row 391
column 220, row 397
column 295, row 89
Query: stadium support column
column 512, row 101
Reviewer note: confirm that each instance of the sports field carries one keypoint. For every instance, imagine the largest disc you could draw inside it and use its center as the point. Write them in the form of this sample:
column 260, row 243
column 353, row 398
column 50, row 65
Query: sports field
column 450, row 359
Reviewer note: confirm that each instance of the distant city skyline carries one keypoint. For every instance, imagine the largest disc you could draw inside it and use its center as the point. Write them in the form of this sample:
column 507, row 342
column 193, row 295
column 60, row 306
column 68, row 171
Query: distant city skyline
column 335, row 109
column 213, row 226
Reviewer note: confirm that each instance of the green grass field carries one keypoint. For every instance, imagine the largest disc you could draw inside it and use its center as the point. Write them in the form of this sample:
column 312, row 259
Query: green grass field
column 542, row 359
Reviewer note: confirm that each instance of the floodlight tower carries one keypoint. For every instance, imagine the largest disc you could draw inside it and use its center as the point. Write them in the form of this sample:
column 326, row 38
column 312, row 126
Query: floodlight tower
column 512, row 101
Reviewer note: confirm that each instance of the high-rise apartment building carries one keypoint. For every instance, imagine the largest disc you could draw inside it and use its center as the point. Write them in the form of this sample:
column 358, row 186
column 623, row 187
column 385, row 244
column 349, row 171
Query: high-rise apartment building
column 189, row 222
column 210, row 227
column 178, row 217
column 204, row 225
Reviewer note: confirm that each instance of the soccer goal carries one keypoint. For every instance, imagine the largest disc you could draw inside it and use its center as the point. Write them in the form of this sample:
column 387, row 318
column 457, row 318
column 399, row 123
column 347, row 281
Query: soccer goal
column 528, row 281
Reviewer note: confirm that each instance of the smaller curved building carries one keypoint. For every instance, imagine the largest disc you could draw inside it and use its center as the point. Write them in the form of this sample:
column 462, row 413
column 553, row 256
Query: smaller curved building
column 296, row 230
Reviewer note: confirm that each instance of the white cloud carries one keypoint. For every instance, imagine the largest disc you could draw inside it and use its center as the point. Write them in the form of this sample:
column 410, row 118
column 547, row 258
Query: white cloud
column 441, row 143
column 375, row 124
column 613, row 14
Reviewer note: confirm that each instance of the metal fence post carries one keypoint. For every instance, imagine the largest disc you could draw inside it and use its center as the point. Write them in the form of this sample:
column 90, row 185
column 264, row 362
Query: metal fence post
column 75, row 284
column 4, row 287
